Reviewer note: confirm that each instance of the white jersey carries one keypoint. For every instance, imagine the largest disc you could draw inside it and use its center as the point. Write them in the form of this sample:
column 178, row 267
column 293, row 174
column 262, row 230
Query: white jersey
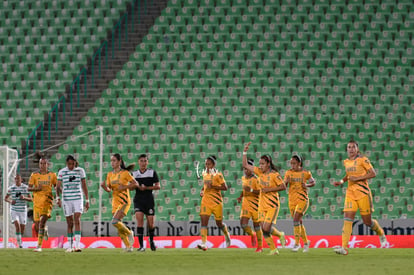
column 71, row 183
column 15, row 192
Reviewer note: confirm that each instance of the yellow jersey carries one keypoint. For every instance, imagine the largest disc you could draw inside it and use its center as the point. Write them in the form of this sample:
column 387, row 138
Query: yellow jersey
column 47, row 181
column 357, row 167
column 296, row 180
column 250, row 200
column 269, row 200
column 212, row 197
column 114, row 180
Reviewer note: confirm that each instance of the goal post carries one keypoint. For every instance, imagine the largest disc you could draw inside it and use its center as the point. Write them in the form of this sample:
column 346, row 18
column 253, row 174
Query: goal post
column 9, row 159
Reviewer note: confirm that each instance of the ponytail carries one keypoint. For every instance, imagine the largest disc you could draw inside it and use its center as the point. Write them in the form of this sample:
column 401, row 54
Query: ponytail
column 122, row 165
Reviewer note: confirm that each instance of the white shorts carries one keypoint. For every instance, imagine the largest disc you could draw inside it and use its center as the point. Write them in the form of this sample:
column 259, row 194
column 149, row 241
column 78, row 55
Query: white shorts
column 72, row 207
column 21, row 217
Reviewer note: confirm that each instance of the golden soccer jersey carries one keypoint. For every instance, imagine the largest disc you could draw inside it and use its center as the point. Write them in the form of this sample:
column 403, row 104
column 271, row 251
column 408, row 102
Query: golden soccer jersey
column 44, row 197
column 114, row 180
column 269, row 200
column 357, row 167
column 212, row 197
column 297, row 192
column 250, row 201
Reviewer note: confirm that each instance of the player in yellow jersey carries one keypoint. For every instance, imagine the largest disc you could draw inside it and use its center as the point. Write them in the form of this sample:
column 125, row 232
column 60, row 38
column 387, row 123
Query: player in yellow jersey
column 270, row 183
column 298, row 181
column 120, row 181
column 41, row 183
column 358, row 170
column 212, row 201
column 249, row 198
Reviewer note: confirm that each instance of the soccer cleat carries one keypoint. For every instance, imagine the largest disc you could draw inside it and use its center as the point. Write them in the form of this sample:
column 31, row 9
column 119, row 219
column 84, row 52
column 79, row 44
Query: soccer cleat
column 77, row 250
column 141, row 249
column 69, row 250
column 306, row 247
column 282, row 239
column 20, row 246
column 46, row 234
column 253, row 238
column 153, row 247
column 228, row 240
column 131, row 239
column 296, row 248
column 259, row 249
column 130, row 249
column 273, row 252
column 383, row 241
column 202, row 246
column 341, row 251
column 38, row 249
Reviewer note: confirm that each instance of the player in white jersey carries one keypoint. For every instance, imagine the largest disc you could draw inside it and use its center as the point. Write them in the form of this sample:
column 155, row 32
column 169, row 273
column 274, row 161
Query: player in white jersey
column 72, row 185
column 18, row 196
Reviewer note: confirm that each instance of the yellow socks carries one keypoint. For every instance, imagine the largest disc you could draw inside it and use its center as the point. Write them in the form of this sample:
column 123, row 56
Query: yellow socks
column 40, row 237
column 377, row 228
column 276, row 232
column 203, row 232
column 346, row 232
column 123, row 232
column 259, row 236
column 297, row 232
column 247, row 229
column 269, row 240
column 303, row 234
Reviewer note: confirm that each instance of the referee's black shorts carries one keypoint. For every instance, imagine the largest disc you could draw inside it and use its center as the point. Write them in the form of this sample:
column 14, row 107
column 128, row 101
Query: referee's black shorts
column 146, row 207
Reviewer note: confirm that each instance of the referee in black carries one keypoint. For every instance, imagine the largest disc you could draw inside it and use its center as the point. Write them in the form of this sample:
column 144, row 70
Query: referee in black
column 148, row 180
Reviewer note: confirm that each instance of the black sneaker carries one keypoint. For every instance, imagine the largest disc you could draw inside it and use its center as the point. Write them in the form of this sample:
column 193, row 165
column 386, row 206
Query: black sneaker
column 141, row 249
column 153, row 247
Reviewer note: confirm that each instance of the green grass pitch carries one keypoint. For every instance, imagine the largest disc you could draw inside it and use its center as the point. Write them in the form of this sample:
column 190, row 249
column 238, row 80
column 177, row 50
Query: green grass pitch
column 214, row 261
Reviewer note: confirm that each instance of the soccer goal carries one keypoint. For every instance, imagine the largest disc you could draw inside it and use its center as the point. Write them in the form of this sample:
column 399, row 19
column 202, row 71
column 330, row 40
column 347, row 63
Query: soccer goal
column 9, row 159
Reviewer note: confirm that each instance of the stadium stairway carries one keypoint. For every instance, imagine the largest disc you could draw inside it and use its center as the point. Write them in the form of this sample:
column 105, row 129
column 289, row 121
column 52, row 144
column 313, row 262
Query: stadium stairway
column 138, row 27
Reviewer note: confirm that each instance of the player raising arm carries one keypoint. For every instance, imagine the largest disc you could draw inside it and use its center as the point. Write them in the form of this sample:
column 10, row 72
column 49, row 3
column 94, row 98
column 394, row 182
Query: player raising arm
column 18, row 196
column 120, row 181
column 249, row 198
column 41, row 184
column 212, row 201
column 72, row 185
column 358, row 170
column 298, row 181
column 270, row 183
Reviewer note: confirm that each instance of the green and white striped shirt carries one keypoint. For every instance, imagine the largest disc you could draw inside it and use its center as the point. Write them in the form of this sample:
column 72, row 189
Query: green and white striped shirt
column 71, row 183
column 15, row 192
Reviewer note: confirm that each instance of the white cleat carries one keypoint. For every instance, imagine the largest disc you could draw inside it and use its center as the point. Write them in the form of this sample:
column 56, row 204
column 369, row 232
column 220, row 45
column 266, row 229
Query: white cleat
column 130, row 249
column 228, row 240
column 384, row 242
column 296, row 248
column 39, row 249
column 306, row 247
column 69, row 250
column 341, row 251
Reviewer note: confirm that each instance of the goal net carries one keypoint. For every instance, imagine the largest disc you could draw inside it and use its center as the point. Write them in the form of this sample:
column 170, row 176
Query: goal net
column 8, row 167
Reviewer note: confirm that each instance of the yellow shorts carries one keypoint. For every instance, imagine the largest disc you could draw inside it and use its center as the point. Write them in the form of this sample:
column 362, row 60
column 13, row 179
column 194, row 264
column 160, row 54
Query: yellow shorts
column 216, row 210
column 45, row 210
column 254, row 215
column 268, row 216
column 299, row 207
column 364, row 205
column 121, row 207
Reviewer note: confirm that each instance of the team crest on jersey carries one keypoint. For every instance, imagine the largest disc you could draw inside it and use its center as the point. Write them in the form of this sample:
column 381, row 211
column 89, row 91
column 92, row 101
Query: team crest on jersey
column 151, row 211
